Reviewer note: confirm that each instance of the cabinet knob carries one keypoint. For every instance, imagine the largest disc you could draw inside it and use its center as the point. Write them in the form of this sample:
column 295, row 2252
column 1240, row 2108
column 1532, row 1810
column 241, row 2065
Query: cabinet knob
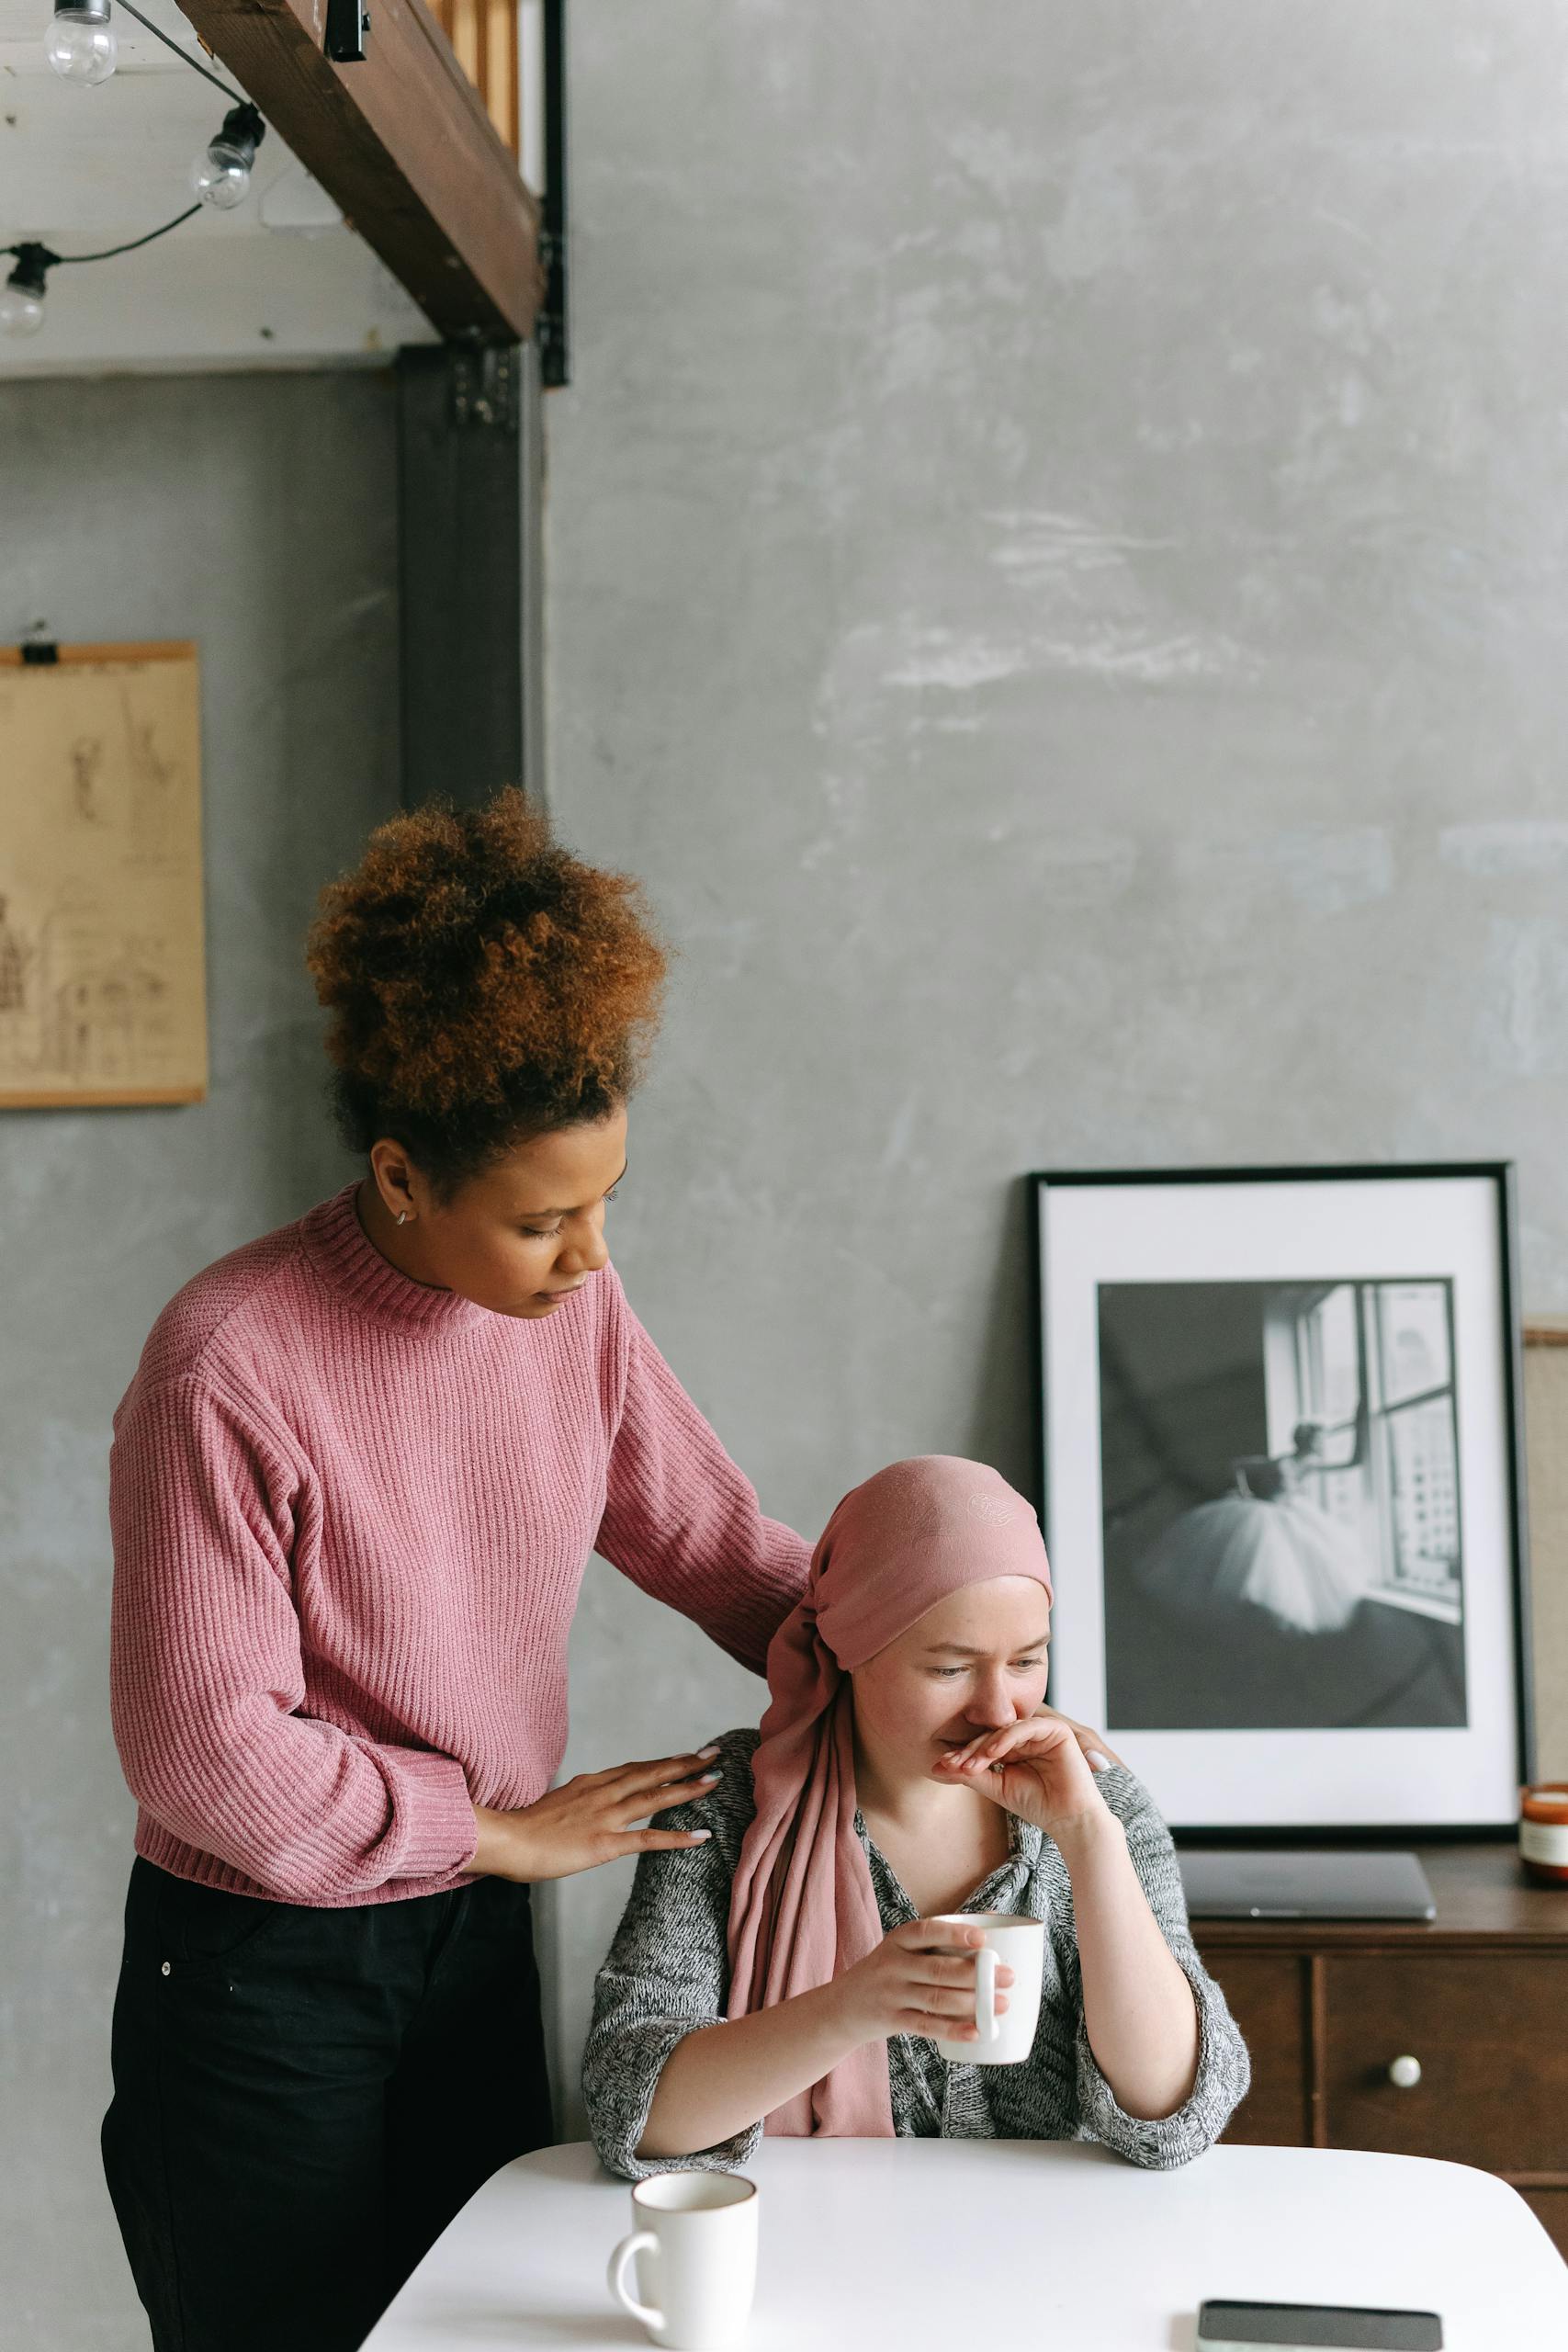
column 1405, row 2074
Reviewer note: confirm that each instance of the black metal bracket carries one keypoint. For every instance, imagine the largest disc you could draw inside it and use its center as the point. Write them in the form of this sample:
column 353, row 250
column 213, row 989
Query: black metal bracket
column 550, row 328
column 485, row 390
column 348, row 29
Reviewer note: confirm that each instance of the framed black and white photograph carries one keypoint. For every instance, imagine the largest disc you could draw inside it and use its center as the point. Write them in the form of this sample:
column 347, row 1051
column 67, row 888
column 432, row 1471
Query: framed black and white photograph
column 1282, row 1489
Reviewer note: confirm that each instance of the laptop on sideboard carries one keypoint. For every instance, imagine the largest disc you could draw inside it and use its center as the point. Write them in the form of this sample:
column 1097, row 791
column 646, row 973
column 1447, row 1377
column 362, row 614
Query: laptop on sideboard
column 1226, row 1883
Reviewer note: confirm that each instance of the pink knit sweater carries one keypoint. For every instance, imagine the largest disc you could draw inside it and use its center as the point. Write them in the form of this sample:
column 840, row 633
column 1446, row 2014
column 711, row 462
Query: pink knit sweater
column 351, row 1516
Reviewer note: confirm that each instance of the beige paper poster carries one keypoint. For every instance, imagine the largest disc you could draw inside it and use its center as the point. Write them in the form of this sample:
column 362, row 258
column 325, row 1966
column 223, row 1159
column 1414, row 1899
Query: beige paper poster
column 102, row 969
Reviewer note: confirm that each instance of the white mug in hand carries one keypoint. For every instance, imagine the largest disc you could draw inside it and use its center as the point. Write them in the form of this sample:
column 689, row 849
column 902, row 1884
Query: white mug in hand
column 697, row 2234
column 1012, row 1940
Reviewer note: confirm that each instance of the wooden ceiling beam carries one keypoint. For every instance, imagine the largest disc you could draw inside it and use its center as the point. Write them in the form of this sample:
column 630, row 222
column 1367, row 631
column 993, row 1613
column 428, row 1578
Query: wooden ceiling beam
column 402, row 141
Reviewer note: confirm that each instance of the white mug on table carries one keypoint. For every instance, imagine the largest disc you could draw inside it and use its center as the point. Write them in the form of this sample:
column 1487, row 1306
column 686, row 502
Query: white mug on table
column 1013, row 1941
column 698, row 2233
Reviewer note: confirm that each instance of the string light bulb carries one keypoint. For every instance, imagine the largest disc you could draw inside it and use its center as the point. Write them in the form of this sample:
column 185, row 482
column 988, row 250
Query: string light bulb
column 22, row 297
column 81, row 46
column 221, row 176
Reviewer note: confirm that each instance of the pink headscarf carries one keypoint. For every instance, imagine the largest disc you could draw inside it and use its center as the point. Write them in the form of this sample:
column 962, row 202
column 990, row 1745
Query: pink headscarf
column 803, row 1910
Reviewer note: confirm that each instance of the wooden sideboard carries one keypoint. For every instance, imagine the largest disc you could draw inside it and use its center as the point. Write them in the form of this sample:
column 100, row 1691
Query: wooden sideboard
column 1478, row 1997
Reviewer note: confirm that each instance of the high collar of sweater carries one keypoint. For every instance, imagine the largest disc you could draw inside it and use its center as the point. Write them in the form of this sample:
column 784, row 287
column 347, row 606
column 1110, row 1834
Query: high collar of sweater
column 343, row 1252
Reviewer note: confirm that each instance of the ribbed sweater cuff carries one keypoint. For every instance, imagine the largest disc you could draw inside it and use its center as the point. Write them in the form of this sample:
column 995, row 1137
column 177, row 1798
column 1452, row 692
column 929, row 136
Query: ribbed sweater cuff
column 435, row 1817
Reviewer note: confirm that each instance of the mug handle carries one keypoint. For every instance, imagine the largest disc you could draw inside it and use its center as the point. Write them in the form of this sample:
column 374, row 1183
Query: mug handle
column 639, row 2242
column 987, row 2024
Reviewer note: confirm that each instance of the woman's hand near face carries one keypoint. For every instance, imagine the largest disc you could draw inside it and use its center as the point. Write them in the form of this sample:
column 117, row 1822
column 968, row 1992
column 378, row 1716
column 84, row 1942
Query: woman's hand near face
column 589, row 1820
column 1138, row 2006
column 921, row 1979
column 1038, row 1768
column 1092, row 1742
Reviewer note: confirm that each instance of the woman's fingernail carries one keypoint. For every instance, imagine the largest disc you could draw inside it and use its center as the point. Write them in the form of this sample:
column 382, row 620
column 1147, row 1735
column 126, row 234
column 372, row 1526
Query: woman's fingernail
column 709, row 1751
column 697, row 1835
column 1100, row 1763
column 708, row 1778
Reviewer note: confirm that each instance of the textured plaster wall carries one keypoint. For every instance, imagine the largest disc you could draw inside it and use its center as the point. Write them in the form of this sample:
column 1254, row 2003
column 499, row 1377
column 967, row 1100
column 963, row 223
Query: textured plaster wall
column 1057, row 581
column 256, row 515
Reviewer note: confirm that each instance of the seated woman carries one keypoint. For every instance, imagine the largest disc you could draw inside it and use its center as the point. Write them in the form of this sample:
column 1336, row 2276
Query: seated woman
column 783, row 1975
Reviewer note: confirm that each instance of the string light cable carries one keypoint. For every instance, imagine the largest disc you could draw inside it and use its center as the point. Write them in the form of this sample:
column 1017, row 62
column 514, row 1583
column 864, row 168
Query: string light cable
column 184, row 54
column 21, row 299
column 82, row 48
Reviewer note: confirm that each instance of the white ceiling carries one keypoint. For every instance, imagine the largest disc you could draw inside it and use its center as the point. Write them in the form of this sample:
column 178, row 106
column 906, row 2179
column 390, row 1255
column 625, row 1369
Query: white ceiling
column 81, row 168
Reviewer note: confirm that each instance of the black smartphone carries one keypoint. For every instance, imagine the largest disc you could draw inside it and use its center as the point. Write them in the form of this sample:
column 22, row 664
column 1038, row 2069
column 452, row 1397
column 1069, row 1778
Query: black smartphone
column 1314, row 2327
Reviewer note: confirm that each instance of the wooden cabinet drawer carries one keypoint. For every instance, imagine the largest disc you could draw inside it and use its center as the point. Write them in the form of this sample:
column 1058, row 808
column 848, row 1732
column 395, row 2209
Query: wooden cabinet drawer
column 1490, row 2030
column 1268, row 1992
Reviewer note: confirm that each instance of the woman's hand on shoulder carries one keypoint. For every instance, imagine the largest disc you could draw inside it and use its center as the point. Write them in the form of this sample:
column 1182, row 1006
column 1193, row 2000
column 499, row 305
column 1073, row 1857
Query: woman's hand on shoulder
column 590, row 1820
column 1042, row 1768
column 919, row 1979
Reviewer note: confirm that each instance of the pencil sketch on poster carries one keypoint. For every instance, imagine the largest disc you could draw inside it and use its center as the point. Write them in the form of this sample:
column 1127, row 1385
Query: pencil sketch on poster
column 102, row 984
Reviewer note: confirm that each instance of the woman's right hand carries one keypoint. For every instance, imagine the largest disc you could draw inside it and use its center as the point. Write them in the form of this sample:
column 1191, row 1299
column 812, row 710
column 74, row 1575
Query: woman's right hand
column 921, row 1979
column 589, row 1820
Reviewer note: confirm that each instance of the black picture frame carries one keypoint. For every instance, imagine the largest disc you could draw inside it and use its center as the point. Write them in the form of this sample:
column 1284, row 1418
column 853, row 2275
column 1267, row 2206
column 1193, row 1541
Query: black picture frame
column 1500, row 1177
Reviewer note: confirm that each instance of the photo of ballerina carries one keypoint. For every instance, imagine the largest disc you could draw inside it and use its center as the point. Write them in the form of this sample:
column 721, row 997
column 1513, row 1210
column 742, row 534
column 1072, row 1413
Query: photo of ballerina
column 1280, row 1483
column 1280, row 1478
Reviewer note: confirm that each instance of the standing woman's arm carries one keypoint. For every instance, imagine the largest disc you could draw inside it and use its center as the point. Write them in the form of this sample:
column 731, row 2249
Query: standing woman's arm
column 213, row 1524
column 680, row 1520
column 215, row 1529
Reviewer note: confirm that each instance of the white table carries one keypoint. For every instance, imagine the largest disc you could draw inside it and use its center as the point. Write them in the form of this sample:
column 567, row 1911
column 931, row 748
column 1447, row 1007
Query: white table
column 915, row 2245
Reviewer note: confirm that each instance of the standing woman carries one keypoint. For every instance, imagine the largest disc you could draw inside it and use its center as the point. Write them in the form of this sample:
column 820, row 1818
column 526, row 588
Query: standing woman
column 354, row 1485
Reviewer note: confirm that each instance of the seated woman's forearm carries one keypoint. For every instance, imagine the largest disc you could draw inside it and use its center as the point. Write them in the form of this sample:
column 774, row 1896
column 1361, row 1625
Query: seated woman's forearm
column 1138, row 2006
column 723, row 2078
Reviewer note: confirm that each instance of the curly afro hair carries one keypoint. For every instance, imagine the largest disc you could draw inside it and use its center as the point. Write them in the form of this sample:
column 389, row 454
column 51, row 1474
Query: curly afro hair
column 484, row 985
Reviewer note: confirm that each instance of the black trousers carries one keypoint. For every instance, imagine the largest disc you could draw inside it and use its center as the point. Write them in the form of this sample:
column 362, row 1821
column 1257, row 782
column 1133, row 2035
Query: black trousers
column 303, row 2098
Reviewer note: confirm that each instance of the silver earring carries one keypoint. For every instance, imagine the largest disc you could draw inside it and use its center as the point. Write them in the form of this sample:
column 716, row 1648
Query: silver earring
column 402, row 1216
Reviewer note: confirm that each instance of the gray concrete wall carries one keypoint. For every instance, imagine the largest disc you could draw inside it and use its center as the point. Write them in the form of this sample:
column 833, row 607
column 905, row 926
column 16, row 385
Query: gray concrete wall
column 1056, row 579
column 256, row 515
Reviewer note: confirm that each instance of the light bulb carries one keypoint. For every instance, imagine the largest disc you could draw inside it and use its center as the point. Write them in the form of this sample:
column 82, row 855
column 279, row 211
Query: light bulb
column 221, row 175
column 81, row 47
column 22, row 297
column 21, row 312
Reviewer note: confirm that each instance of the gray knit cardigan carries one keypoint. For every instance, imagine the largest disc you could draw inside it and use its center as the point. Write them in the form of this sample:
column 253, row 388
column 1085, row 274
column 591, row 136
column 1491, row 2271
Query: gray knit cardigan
column 668, row 1973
